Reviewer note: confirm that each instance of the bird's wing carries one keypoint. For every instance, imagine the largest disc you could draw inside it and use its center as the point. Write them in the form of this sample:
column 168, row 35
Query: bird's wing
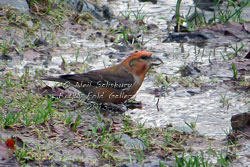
column 121, row 79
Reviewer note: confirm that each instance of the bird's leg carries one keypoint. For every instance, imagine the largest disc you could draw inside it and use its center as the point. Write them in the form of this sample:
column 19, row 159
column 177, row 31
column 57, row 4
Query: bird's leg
column 133, row 104
column 114, row 107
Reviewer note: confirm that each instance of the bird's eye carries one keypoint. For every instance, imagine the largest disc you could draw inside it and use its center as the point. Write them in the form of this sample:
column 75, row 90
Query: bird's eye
column 145, row 57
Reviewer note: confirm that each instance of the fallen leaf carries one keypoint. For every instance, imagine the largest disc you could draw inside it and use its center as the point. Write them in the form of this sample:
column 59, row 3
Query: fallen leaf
column 18, row 140
column 10, row 143
column 46, row 90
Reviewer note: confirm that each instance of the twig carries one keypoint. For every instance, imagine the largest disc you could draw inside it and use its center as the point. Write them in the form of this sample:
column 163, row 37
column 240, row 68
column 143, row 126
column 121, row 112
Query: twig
column 157, row 104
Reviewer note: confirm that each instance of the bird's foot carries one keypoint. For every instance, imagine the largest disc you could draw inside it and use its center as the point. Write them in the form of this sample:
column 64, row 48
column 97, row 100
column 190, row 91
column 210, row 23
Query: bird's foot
column 132, row 104
column 114, row 107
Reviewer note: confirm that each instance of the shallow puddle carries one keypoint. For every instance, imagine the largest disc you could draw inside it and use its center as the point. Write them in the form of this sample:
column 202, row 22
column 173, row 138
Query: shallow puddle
column 179, row 106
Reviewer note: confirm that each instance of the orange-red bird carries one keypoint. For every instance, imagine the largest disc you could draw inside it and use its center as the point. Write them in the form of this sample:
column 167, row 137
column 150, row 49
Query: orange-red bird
column 115, row 84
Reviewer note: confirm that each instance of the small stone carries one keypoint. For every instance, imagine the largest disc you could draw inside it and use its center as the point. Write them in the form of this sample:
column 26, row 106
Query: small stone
column 129, row 142
column 190, row 70
column 152, row 27
column 21, row 5
column 248, row 55
column 153, row 1
column 241, row 122
column 30, row 24
column 193, row 92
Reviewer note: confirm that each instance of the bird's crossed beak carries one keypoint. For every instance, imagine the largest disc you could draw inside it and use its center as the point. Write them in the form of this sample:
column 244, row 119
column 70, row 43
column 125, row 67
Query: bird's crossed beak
column 155, row 61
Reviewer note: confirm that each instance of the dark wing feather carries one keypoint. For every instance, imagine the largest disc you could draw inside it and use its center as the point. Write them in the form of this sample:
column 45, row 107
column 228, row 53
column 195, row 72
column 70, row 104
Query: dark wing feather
column 101, row 77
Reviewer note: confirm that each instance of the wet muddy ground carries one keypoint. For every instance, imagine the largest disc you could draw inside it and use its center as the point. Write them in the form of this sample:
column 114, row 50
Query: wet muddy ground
column 188, row 102
column 194, row 85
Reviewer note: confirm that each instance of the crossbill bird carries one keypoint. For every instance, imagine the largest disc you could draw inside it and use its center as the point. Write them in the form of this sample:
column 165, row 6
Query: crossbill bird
column 112, row 85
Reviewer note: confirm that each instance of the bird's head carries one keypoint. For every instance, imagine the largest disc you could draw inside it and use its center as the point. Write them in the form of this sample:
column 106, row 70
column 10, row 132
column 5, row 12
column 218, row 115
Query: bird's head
column 140, row 62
